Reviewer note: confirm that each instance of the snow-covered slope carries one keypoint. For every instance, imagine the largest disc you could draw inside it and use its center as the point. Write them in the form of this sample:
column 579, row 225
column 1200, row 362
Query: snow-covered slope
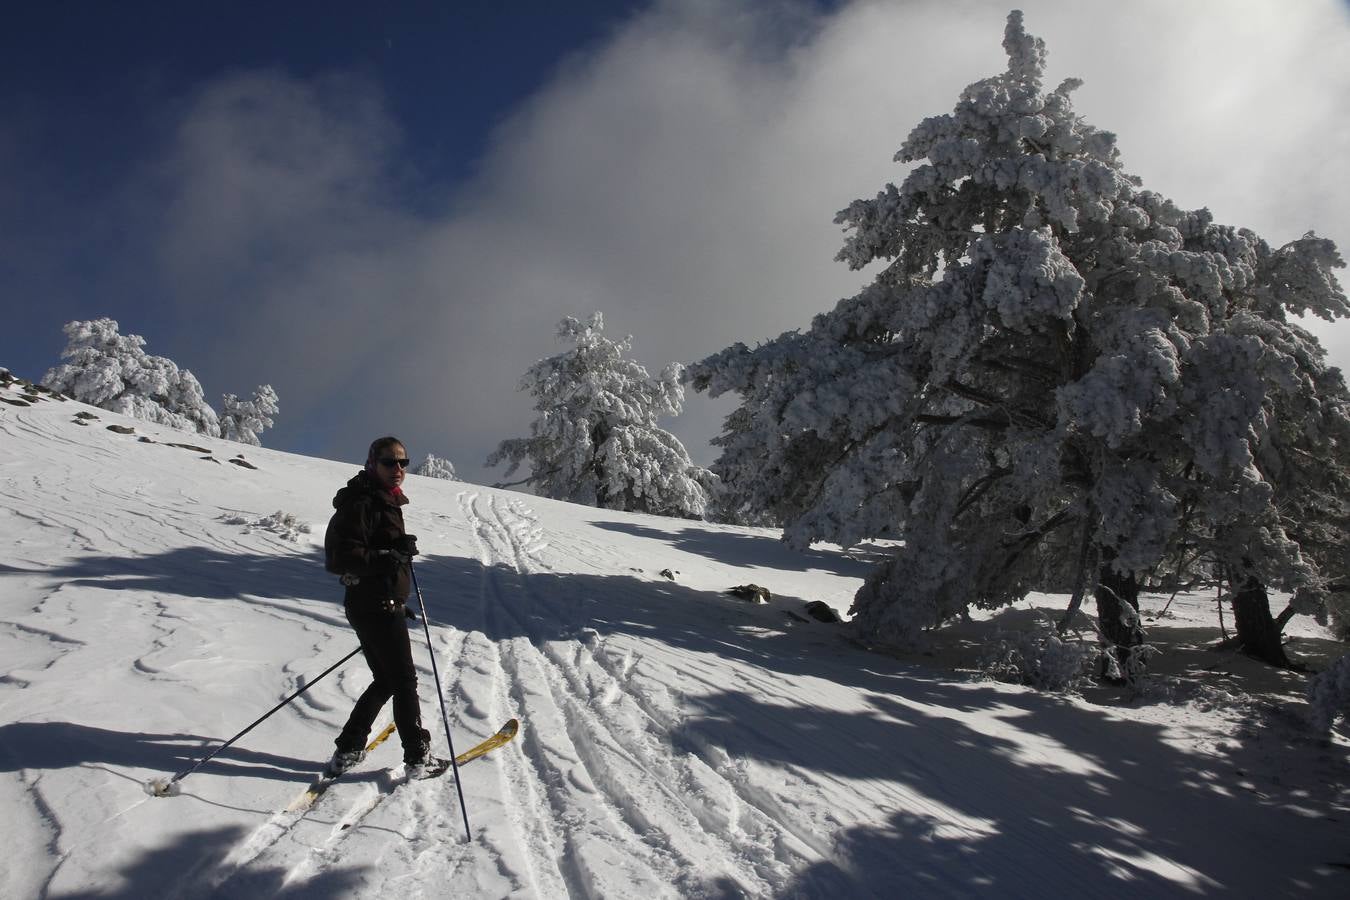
column 675, row 741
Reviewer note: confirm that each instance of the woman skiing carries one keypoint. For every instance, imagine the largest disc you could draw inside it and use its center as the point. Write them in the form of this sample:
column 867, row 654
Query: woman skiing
column 366, row 544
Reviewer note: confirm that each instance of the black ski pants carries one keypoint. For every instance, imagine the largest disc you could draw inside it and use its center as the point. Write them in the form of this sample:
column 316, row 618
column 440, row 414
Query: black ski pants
column 388, row 652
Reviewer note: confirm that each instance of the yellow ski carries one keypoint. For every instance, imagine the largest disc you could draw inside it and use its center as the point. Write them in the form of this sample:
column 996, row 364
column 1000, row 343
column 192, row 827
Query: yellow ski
column 315, row 790
column 503, row 735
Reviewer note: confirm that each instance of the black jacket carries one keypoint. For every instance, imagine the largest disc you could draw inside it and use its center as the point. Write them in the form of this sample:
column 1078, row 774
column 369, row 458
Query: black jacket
column 367, row 519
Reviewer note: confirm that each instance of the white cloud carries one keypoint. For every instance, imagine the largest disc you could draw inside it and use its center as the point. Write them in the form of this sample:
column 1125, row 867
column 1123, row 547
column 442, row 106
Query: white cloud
column 683, row 177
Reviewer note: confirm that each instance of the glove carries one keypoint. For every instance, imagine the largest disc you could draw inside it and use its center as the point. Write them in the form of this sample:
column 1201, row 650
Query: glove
column 401, row 552
column 406, row 546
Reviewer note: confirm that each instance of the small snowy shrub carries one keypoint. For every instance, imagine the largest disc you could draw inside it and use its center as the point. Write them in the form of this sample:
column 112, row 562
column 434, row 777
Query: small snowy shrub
column 1329, row 694
column 1133, row 672
column 1338, row 606
column 282, row 524
column 1039, row 658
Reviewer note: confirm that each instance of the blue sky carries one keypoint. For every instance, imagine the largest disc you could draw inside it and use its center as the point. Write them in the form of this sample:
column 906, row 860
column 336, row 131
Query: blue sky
column 90, row 89
column 385, row 213
column 448, row 71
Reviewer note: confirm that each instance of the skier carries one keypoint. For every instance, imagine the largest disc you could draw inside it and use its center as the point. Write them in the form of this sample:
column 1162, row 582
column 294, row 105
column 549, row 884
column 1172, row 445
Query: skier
column 367, row 545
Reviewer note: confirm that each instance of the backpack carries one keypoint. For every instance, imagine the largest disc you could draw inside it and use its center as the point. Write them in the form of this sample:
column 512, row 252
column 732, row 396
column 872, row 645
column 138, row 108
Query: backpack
column 343, row 503
column 330, row 562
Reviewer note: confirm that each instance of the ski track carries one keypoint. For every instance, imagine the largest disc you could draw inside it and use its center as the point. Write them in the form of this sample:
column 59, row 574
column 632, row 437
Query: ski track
column 681, row 812
column 601, row 743
column 559, row 856
column 426, row 816
column 272, row 844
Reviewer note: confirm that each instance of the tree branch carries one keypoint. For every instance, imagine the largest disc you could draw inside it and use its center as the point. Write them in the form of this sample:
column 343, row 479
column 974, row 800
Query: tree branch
column 1283, row 618
column 976, row 395
column 1026, row 541
column 1040, row 371
column 978, row 489
column 977, row 421
column 527, row 479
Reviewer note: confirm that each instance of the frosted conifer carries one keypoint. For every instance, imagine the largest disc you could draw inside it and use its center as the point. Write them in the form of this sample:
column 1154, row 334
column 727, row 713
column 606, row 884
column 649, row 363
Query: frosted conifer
column 111, row 371
column 596, row 439
column 244, row 420
column 436, row 467
column 1059, row 380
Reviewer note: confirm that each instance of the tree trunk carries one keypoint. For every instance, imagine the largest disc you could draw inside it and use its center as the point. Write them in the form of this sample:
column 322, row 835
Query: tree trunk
column 1118, row 613
column 1257, row 633
column 599, row 434
column 1080, row 578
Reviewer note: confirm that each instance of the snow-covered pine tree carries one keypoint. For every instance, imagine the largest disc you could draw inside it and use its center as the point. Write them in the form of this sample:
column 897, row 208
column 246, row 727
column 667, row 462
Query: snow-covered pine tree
column 596, row 440
column 244, row 420
column 111, row 371
column 1058, row 381
column 436, row 467
column 1299, row 450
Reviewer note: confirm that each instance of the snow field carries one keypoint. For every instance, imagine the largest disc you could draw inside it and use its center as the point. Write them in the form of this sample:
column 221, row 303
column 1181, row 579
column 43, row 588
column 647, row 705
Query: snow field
column 674, row 741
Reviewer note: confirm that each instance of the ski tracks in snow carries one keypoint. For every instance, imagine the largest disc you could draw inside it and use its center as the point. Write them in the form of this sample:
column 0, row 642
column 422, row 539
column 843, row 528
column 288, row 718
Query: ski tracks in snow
column 599, row 799
column 621, row 811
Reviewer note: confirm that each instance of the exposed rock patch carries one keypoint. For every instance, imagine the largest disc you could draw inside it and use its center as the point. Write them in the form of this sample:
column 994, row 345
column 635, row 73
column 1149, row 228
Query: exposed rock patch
column 750, row 593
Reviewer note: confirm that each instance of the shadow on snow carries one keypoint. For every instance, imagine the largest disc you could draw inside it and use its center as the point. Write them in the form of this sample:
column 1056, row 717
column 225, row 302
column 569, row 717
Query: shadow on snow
column 203, row 572
column 63, row 745
column 158, row 872
column 986, row 805
column 975, row 811
column 735, row 548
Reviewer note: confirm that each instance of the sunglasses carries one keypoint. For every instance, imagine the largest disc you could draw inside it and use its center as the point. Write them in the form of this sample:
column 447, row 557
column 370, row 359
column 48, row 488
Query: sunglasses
column 389, row 462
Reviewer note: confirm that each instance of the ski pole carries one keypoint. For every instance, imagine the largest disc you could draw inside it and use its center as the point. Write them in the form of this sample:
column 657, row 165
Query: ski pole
column 158, row 787
column 445, row 717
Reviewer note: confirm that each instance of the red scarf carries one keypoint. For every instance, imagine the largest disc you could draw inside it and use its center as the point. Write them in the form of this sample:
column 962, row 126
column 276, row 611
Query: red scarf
column 396, row 492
